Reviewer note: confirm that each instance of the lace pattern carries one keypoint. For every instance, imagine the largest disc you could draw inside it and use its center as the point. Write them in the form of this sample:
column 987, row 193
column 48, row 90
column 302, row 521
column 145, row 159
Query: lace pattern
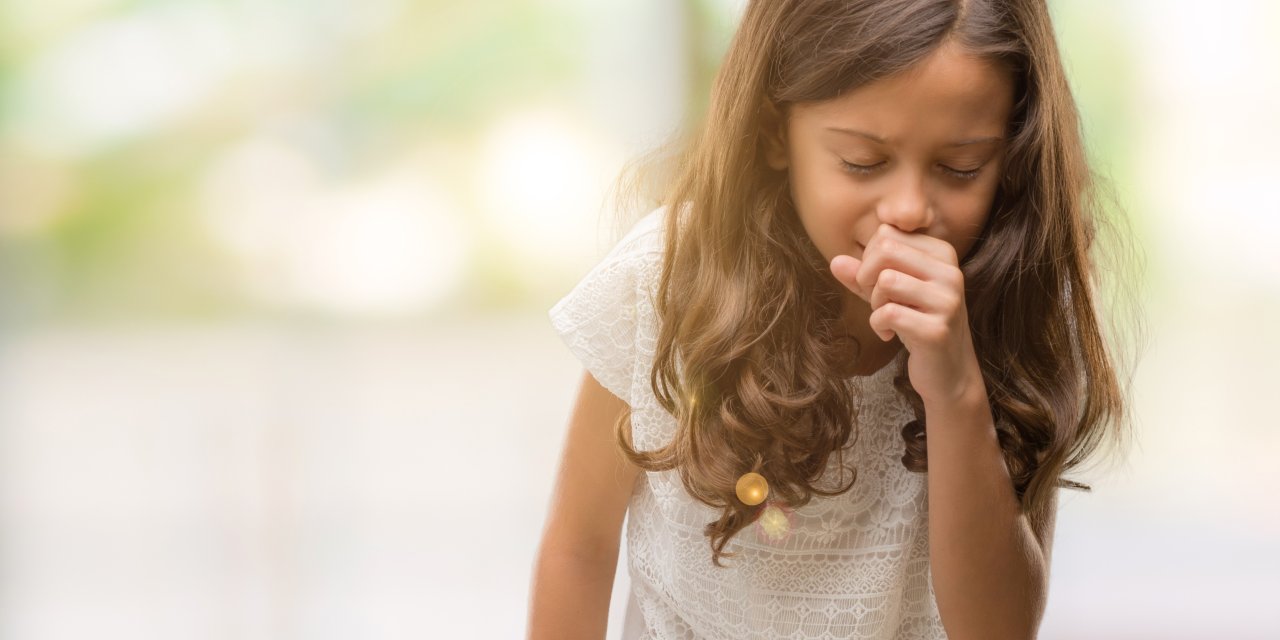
column 849, row 566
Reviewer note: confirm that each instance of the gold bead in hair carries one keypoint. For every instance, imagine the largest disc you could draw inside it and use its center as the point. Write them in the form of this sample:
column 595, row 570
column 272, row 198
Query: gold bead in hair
column 752, row 488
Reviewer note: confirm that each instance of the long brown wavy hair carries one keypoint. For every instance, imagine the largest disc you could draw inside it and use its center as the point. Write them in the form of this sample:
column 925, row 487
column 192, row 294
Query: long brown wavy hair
column 749, row 355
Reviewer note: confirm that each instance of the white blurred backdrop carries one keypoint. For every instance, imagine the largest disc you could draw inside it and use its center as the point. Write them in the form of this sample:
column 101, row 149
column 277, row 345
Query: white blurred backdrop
column 274, row 354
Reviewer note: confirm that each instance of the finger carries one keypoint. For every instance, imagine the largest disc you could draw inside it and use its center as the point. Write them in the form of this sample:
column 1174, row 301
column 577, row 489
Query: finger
column 940, row 249
column 912, row 325
column 890, row 253
column 845, row 269
column 929, row 297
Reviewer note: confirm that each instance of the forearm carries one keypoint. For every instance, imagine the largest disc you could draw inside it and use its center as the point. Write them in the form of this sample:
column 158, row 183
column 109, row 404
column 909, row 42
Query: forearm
column 989, row 575
column 570, row 594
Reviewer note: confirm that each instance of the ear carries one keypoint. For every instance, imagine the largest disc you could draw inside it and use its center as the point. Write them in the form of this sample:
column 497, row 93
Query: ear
column 773, row 135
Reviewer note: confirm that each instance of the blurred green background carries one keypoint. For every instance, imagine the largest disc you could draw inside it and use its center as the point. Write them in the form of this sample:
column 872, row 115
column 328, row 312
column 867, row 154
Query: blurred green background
column 274, row 358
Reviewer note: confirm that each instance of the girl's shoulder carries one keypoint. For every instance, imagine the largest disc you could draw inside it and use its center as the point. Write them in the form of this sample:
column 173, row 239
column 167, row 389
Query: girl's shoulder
column 608, row 319
column 645, row 236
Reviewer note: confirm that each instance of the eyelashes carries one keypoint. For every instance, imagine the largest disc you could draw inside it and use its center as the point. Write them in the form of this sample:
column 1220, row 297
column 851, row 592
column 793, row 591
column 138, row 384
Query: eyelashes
column 963, row 175
column 865, row 169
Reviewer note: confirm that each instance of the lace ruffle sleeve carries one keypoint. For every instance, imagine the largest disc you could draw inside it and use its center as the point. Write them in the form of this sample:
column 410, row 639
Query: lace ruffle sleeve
column 603, row 319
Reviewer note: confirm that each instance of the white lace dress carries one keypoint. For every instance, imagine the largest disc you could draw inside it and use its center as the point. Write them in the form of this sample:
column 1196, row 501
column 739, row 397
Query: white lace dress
column 852, row 566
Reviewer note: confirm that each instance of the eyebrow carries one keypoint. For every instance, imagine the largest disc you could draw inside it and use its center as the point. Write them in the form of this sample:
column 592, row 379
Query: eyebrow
column 875, row 138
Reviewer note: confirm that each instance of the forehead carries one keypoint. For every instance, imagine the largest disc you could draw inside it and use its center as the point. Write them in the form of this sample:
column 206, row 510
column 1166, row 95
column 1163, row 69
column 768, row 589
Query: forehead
column 949, row 95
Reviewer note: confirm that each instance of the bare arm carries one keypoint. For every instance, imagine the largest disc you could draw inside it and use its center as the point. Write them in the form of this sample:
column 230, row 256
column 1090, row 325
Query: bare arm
column 990, row 562
column 574, row 570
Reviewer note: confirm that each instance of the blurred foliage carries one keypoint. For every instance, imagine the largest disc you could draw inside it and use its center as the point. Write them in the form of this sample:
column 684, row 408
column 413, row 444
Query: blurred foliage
column 126, row 239
column 123, row 235
column 453, row 65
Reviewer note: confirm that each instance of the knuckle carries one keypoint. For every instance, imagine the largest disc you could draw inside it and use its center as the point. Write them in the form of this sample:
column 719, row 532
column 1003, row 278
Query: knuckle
column 948, row 301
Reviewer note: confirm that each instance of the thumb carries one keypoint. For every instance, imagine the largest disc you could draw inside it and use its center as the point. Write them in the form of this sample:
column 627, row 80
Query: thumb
column 845, row 269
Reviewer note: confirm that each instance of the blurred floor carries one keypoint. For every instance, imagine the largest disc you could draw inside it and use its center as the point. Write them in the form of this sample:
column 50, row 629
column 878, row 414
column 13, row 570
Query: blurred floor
column 285, row 481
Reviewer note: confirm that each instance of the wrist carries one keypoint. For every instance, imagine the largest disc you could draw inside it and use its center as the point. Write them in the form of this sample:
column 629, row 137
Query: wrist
column 969, row 399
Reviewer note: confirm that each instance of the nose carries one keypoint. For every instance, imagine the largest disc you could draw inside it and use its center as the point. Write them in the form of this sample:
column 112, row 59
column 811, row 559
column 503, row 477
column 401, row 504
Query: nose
column 906, row 204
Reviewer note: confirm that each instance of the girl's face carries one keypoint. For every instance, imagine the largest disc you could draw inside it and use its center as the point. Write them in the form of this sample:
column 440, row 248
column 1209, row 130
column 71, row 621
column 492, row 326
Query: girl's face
column 921, row 150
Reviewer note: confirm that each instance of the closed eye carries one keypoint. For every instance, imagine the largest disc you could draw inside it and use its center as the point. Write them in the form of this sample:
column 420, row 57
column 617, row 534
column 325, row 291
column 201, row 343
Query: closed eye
column 867, row 169
column 963, row 175
column 861, row 169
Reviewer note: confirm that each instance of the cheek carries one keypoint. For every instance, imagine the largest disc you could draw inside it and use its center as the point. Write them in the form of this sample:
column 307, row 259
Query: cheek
column 970, row 206
column 823, row 216
column 966, row 217
column 829, row 193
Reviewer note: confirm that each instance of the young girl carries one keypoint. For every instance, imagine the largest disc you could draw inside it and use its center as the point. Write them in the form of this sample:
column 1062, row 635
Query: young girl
column 835, row 380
